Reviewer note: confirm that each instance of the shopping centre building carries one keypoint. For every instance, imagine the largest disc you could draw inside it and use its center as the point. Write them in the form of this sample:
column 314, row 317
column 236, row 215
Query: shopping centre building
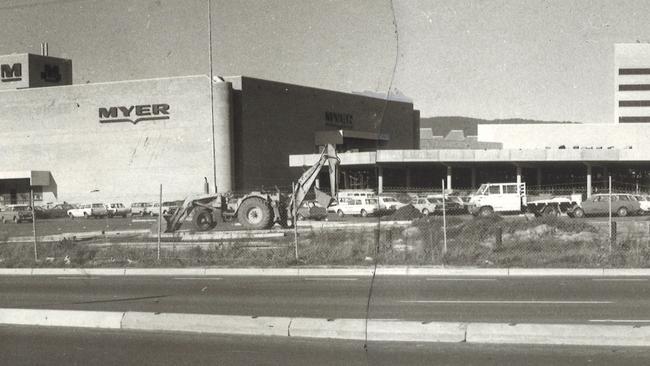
column 120, row 141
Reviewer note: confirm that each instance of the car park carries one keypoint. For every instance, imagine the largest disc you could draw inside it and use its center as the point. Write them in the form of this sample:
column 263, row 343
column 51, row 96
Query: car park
column 622, row 204
column 140, row 208
column 88, row 210
column 16, row 214
column 117, row 209
column 356, row 206
column 425, row 205
column 311, row 210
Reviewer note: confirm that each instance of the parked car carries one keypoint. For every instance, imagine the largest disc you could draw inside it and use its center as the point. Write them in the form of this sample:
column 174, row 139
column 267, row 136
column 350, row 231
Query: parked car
column 425, row 205
column 16, row 213
column 154, row 209
column 88, row 210
column 390, row 203
column 117, row 209
column 644, row 203
column 311, row 210
column 598, row 204
column 452, row 204
column 356, row 206
column 53, row 212
column 140, row 208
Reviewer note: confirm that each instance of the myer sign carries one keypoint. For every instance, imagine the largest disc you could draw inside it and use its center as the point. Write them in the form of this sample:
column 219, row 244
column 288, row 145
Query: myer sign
column 337, row 119
column 11, row 72
column 134, row 113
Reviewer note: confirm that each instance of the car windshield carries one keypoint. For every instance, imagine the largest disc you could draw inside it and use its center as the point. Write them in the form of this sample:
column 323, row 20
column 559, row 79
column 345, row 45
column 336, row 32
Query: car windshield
column 97, row 205
column 20, row 208
column 371, row 201
column 389, row 199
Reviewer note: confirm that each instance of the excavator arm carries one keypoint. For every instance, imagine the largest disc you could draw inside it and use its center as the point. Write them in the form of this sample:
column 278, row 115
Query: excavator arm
column 301, row 188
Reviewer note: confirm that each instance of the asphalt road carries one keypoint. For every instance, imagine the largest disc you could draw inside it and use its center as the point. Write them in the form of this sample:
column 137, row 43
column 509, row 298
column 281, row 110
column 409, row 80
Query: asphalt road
column 511, row 300
column 70, row 347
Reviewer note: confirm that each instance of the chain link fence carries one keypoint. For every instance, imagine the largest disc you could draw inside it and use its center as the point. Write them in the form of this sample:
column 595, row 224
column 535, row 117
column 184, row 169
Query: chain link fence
column 416, row 231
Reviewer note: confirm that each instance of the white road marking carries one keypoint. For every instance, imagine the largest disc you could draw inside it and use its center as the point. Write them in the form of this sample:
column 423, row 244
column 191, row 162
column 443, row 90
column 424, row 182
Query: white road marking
column 619, row 321
column 330, row 279
column 551, row 302
column 462, row 279
column 144, row 220
column 198, row 278
column 77, row 278
column 620, row 279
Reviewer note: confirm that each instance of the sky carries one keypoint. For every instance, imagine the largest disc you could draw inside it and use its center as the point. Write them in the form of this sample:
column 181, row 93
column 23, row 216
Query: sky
column 546, row 60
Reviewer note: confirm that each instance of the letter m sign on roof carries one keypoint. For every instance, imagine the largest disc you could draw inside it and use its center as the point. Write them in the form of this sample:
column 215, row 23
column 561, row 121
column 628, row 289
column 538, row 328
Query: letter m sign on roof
column 11, row 72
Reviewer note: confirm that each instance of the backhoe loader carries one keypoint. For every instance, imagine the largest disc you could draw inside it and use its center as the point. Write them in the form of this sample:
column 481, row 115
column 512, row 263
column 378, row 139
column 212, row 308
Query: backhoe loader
column 258, row 209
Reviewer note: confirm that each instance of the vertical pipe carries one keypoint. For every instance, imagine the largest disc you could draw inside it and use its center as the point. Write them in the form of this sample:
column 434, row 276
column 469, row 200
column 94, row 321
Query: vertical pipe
column 449, row 178
column 473, row 182
column 518, row 172
column 159, row 219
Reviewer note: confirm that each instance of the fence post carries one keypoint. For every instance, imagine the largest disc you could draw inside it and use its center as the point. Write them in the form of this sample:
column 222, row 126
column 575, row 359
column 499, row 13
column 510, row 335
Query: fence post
column 31, row 198
column 444, row 221
column 610, row 213
column 159, row 220
column 612, row 235
column 498, row 239
column 295, row 221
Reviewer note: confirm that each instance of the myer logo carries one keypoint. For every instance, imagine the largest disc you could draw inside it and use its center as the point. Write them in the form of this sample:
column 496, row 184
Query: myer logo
column 134, row 113
column 51, row 74
column 338, row 119
column 11, row 72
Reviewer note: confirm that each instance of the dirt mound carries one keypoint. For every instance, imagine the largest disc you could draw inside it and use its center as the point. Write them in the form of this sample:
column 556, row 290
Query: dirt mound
column 407, row 212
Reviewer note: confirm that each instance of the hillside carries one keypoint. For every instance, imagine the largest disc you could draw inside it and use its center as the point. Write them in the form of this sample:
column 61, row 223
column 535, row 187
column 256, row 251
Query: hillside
column 442, row 125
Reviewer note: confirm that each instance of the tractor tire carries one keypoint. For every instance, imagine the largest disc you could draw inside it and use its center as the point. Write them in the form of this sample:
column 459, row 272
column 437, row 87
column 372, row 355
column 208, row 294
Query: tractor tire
column 203, row 220
column 86, row 216
column 486, row 211
column 549, row 212
column 621, row 212
column 255, row 213
column 364, row 213
column 425, row 212
column 16, row 220
column 578, row 213
column 340, row 213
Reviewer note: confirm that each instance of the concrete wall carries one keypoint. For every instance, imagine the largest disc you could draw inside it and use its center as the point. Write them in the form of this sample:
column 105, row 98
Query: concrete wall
column 540, row 136
column 276, row 120
column 58, row 129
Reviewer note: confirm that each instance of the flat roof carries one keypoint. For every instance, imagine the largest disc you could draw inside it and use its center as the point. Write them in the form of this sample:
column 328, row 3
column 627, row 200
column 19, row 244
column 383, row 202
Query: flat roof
column 479, row 156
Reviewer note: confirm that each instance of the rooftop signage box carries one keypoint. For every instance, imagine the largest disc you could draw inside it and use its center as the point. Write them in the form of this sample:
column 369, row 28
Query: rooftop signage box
column 26, row 70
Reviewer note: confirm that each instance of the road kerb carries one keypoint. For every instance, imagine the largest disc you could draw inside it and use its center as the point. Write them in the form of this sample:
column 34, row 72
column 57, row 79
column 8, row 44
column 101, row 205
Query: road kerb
column 326, row 271
column 352, row 329
column 558, row 334
column 328, row 328
column 205, row 323
column 62, row 318
column 413, row 331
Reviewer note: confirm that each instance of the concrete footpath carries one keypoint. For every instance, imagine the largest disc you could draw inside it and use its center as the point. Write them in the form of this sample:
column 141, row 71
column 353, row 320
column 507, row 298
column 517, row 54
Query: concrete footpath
column 351, row 329
column 334, row 271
